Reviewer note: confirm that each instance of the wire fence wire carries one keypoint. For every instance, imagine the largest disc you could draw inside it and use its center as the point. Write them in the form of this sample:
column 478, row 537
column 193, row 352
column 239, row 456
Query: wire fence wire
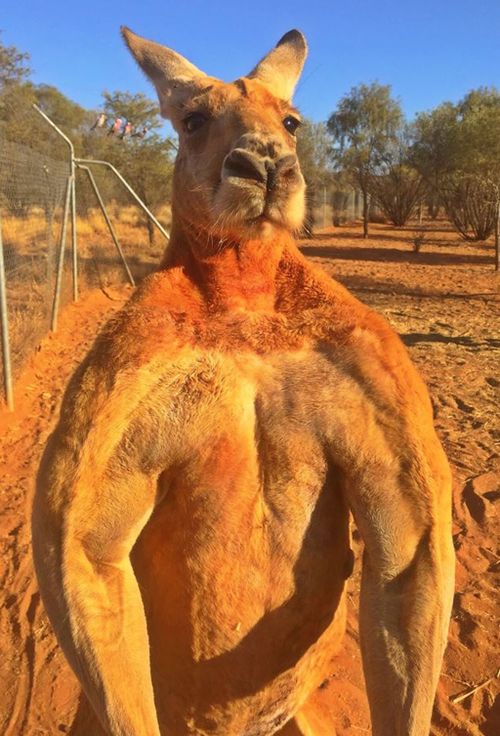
column 35, row 165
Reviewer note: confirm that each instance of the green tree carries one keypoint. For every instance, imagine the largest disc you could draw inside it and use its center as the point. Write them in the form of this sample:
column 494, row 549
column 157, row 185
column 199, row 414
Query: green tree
column 314, row 150
column 137, row 108
column 399, row 186
column 19, row 122
column 15, row 93
column 436, row 149
column 14, row 65
column 15, row 113
column 66, row 114
column 149, row 169
column 146, row 163
column 478, row 118
column 362, row 127
column 457, row 150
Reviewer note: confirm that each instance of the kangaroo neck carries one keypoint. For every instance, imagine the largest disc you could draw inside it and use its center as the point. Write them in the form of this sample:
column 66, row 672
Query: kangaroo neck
column 230, row 274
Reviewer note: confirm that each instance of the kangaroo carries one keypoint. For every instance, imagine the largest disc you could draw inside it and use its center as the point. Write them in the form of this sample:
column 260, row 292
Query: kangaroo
column 191, row 521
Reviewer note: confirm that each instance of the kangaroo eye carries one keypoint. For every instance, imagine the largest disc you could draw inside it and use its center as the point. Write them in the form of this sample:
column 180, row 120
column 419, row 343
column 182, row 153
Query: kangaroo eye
column 194, row 121
column 291, row 124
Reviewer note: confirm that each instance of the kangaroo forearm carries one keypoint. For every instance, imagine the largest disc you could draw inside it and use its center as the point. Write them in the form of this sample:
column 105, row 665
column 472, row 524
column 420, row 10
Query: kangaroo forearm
column 400, row 695
column 402, row 640
column 100, row 623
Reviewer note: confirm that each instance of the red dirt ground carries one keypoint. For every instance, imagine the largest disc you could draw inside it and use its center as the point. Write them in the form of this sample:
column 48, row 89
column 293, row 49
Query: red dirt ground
column 443, row 301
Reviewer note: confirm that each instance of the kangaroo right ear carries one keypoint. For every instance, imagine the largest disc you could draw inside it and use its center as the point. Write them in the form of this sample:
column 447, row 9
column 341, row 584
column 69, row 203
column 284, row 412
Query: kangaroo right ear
column 174, row 77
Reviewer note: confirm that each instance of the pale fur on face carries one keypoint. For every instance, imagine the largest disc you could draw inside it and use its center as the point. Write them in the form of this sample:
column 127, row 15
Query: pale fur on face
column 228, row 205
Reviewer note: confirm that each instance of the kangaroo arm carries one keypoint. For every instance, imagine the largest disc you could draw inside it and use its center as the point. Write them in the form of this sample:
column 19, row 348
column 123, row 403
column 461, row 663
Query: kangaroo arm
column 81, row 553
column 123, row 424
column 96, row 488
column 403, row 628
column 106, row 642
column 406, row 591
column 398, row 485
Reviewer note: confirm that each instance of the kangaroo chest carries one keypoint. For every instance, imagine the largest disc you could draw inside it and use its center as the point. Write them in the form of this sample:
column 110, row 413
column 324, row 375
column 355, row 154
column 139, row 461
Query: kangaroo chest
column 261, row 439
column 256, row 502
column 246, row 553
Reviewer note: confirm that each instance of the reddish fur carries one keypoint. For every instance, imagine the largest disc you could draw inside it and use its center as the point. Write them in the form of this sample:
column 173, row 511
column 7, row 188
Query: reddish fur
column 247, row 402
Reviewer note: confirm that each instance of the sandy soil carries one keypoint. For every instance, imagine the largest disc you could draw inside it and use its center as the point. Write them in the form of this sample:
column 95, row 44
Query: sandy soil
column 442, row 301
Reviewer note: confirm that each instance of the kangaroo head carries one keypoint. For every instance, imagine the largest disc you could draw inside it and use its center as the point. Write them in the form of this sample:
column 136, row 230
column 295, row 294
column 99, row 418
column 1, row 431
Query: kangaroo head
column 236, row 174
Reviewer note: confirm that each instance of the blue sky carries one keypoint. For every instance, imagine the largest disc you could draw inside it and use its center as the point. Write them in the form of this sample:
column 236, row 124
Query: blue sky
column 428, row 50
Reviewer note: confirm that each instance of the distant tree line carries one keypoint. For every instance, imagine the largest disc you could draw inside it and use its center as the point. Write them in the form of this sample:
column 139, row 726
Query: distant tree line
column 447, row 158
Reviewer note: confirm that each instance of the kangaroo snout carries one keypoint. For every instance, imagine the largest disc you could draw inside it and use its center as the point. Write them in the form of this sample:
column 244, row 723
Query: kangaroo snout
column 243, row 164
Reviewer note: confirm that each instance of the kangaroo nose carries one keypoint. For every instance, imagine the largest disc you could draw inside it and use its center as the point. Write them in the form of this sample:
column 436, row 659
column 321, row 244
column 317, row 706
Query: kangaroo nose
column 244, row 165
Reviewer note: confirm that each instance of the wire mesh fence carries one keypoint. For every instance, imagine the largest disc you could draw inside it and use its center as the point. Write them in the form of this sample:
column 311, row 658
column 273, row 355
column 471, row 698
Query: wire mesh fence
column 32, row 190
column 35, row 170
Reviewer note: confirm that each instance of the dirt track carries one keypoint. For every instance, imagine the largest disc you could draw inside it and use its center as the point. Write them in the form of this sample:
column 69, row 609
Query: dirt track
column 442, row 303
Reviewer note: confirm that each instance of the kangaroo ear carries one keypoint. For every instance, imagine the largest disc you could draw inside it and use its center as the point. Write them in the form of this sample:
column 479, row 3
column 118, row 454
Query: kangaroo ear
column 174, row 77
column 280, row 70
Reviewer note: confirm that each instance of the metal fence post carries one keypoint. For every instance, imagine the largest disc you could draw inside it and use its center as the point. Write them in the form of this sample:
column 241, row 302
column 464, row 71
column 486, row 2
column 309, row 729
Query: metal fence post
column 60, row 259
column 74, row 249
column 7, row 368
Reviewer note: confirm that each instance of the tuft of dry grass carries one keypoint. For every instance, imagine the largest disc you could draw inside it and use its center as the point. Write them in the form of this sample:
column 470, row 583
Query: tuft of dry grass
column 24, row 232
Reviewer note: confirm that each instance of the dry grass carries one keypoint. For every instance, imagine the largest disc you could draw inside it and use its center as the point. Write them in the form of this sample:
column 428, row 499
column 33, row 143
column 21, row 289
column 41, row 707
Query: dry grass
column 31, row 247
column 27, row 234
column 22, row 233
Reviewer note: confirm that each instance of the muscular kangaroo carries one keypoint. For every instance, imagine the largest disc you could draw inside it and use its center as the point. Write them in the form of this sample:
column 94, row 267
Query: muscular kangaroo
column 191, row 523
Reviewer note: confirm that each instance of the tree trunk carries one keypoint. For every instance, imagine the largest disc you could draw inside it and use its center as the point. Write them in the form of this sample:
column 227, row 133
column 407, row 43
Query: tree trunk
column 151, row 231
column 308, row 224
column 366, row 212
column 356, row 205
column 433, row 209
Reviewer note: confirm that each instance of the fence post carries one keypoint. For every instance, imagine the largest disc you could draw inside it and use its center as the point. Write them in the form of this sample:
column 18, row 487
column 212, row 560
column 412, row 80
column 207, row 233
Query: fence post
column 7, row 368
column 60, row 259
column 108, row 222
column 74, row 249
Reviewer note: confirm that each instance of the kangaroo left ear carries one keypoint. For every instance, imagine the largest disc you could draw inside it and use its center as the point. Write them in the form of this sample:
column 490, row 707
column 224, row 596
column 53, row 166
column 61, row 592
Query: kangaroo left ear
column 280, row 70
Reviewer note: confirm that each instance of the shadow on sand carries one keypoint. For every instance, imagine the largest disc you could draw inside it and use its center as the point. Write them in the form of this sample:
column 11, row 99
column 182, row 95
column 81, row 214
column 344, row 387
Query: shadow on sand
column 394, row 255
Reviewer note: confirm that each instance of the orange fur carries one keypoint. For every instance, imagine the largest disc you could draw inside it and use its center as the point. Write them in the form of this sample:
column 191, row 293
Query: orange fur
column 191, row 525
